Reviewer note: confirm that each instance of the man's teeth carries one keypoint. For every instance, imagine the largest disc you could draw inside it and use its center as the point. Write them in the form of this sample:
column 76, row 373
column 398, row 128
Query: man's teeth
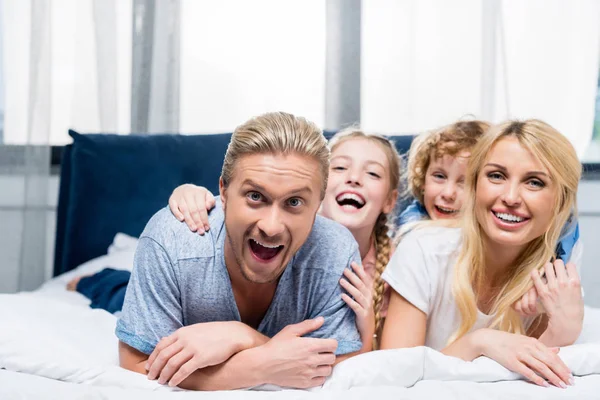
column 265, row 245
column 509, row 217
column 351, row 196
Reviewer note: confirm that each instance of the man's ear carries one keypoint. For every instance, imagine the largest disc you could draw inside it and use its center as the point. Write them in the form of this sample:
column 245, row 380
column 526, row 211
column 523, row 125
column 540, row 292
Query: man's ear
column 222, row 193
column 389, row 204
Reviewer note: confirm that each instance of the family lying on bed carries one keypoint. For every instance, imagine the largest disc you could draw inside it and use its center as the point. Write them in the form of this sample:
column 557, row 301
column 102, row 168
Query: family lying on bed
column 269, row 292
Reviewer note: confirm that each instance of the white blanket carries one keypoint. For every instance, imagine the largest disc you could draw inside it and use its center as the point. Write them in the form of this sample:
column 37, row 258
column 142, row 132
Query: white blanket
column 52, row 338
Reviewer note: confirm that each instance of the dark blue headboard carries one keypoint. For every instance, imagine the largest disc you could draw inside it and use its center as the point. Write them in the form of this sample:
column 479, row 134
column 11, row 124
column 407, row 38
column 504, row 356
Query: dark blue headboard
column 115, row 183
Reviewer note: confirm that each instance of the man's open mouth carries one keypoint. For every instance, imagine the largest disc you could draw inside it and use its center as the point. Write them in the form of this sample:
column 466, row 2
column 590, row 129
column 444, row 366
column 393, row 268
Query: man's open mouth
column 264, row 251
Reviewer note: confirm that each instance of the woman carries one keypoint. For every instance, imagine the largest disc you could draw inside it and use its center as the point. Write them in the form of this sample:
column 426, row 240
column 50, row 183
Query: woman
column 453, row 287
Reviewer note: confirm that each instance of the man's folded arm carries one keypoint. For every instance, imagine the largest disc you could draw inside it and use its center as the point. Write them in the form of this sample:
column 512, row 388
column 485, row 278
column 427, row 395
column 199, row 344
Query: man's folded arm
column 288, row 359
column 134, row 360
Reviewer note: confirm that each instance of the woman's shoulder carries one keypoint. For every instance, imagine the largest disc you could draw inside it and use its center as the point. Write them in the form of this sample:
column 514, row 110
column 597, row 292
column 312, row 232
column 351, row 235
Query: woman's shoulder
column 424, row 259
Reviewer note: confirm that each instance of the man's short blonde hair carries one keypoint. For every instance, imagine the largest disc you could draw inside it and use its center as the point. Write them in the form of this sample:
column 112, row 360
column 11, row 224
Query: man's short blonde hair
column 277, row 133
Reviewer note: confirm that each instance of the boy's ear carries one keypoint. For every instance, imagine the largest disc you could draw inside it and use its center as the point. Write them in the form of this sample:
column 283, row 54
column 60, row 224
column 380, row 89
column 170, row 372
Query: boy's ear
column 222, row 193
column 389, row 204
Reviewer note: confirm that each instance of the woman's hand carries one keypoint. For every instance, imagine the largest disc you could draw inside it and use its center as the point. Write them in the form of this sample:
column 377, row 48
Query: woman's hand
column 528, row 305
column 562, row 299
column 191, row 203
column 360, row 287
column 526, row 356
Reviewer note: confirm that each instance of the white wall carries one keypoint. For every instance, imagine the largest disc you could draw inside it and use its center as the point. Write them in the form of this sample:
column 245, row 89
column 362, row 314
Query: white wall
column 11, row 225
column 589, row 210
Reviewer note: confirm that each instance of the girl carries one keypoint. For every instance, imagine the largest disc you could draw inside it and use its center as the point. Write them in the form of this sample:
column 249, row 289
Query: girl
column 453, row 287
column 362, row 190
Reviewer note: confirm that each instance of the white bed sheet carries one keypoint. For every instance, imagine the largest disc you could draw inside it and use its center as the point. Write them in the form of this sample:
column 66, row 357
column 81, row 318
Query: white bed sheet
column 52, row 345
column 15, row 385
column 50, row 341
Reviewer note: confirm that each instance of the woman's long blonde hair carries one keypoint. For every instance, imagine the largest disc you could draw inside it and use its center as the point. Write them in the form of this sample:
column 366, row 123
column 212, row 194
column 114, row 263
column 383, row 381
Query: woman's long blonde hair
column 557, row 154
column 383, row 245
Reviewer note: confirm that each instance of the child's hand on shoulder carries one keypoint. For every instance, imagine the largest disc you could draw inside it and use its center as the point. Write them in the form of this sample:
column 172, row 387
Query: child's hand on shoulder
column 360, row 287
column 191, row 203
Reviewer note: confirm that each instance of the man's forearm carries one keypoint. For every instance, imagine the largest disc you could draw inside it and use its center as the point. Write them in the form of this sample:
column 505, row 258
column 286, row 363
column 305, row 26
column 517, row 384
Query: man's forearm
column 251, row 337
column 241, row 371
column 237, row 372
column 239, row 337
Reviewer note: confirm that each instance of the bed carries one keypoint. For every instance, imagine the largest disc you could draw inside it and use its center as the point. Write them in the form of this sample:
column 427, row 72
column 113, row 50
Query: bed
column 53, row 345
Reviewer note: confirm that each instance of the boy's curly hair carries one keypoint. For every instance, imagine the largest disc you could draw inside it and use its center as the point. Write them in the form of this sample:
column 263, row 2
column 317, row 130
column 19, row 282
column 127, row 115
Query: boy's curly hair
column 448, row 140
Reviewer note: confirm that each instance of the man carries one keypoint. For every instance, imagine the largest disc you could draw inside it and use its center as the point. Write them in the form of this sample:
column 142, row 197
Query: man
column 257, row 299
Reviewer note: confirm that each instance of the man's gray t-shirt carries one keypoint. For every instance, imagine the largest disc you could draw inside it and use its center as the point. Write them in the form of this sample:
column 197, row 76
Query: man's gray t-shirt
column 179, row 278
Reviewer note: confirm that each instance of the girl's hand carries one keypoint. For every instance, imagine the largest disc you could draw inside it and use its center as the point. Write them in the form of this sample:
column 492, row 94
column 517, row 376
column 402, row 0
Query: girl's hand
column 526, row 356
column 561, row 297
column 191, row 203
column 360, row 287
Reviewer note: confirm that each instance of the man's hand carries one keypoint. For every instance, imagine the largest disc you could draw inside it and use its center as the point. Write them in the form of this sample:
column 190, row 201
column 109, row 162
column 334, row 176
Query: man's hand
column 194, row 347
column 295, row 361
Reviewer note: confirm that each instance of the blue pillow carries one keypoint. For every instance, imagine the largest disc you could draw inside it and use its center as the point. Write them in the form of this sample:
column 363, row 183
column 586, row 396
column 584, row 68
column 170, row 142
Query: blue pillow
column 115, row 183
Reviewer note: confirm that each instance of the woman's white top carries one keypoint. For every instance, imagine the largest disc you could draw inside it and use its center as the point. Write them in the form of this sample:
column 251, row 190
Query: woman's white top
column 421, row 271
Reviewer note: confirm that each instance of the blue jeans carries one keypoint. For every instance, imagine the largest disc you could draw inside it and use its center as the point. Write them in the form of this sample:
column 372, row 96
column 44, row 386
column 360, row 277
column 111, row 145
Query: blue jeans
column 106, row 289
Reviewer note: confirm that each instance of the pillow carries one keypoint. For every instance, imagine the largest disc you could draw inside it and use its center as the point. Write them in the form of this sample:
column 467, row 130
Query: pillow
column 405, row 367
column 120, row 256
column 123, row 242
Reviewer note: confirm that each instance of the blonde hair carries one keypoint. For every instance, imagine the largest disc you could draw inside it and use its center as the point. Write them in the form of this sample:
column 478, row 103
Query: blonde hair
column 383, row 246
column 558, row 156
column 448, row 140
column 277, row 133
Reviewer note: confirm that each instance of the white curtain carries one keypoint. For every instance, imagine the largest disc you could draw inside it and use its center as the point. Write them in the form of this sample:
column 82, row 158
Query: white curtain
column 30, row 164
column 155, row 66
column 427, row 63
column 88, row 68
column 67, row 64
column 242, row 58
